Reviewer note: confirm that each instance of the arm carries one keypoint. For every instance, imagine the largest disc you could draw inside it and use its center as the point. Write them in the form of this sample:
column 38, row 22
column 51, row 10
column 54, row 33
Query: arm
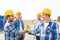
column 17, row 33
column 22, row 25
column 35, row 31
column 56, row 32
column 7, row 37
column 36, row 28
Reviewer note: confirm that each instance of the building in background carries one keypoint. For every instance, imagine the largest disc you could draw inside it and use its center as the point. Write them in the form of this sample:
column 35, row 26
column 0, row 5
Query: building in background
column 2, row 22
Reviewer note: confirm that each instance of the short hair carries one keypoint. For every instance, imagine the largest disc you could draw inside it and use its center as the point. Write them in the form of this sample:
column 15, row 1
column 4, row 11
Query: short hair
column 7, row 16
column 48, row 15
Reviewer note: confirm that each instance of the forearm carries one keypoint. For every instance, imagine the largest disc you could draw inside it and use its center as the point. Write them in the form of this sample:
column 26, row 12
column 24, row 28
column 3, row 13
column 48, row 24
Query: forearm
column 56, row 36
column 33, row 32
column 56, row 32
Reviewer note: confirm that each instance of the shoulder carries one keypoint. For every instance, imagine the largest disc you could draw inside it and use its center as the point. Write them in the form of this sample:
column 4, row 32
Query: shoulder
column 16, row 21
column 6, row 26
column 55, row 25
column 22, row 21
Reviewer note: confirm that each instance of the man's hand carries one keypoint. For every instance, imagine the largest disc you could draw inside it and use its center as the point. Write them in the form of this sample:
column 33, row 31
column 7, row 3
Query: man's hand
column 27, row 29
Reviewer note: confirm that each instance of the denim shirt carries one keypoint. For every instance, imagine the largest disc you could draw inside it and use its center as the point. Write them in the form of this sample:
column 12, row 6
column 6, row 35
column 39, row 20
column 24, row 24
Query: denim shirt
column 17, row 25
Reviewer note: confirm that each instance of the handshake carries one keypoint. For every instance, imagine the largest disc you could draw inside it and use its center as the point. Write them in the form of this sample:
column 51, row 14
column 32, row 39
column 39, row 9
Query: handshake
column 26, row 30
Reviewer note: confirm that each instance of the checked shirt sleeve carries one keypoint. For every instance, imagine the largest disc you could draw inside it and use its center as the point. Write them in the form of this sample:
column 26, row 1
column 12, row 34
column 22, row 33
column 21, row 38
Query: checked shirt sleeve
column 7, row 34
column 56, row 32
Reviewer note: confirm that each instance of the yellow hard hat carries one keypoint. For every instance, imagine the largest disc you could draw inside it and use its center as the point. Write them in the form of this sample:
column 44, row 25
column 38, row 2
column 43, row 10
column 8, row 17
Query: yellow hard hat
column 39, row 14
column 47, row 11
column 18, row 13
column 9, row 12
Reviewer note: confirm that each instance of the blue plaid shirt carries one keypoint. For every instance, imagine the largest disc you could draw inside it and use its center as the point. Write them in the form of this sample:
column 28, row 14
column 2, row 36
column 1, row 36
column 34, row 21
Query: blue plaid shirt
column 17, row 25
column 10, row 31
column 51, row 32
column 36, row 24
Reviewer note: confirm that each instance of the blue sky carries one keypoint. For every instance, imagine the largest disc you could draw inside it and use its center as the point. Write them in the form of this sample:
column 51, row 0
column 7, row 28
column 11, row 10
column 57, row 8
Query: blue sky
column 29, row 8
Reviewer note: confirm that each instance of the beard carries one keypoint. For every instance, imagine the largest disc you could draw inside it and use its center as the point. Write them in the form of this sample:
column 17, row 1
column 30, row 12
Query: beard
column 11, row 20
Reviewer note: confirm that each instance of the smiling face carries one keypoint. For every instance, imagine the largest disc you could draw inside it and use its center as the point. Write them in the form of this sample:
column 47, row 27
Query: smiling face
column 10, row 18
column 38, row 17
column 45, row 16
column 19, row 16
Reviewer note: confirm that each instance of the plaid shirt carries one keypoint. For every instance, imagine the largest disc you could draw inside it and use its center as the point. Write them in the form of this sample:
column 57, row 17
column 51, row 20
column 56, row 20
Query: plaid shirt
column 51, row 32
column 36, row 24
column 10, row 31
column 17, row 25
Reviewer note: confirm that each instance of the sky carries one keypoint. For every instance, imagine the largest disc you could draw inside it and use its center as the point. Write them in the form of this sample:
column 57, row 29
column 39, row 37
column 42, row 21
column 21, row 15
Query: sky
column 29, row 8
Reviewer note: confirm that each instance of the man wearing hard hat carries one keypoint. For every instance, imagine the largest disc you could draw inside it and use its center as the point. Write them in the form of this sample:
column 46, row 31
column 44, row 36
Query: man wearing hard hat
column 48, row 29
column 37, row 23
column 9, row 27
column 19, row 26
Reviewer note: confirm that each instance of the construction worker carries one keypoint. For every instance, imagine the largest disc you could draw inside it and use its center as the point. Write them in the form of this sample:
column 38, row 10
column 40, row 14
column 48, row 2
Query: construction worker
column 9, row 27
column 48, row 29
column 37, row 23
column 19, row 25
